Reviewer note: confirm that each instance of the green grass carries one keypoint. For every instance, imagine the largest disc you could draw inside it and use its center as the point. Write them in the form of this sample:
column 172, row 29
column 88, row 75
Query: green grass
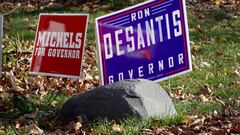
column 12, row 131
column 134, row 126
column 219, row 43
column 221, row 65
column 18, row 25
column 197, row 107
column 53, row 100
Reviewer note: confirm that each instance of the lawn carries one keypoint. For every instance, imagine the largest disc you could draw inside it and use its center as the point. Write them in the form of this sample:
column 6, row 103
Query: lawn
column 211, row 89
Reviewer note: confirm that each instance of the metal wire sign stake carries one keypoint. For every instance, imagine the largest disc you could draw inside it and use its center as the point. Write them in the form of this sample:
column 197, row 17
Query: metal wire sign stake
column 1, row 35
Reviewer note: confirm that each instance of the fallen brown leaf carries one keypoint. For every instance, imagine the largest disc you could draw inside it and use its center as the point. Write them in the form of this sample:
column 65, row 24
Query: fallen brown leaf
column 174, row 130
column 234, row 102
column 205, row 90
column 205, row 64
column 199, row 121
column 237, row 84
column 218, row 131
column 2, row 108
column 219, row 53
column 235, row 128
column 117, row 128
column 18, row 124
column 196, row 49
column 187, row 122
column 33, row 129
column 77, row 127
column 187, row 131
column 146, row 131
column 31, row 115
column 198, row 29
column 203, row 98
column 216, row 2
column 237, row 72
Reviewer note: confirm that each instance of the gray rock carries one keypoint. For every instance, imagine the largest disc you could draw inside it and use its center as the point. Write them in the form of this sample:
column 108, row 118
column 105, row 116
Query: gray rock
column 138, row 98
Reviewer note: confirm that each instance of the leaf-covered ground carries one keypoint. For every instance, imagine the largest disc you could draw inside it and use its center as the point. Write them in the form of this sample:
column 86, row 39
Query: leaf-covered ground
column 207, row 99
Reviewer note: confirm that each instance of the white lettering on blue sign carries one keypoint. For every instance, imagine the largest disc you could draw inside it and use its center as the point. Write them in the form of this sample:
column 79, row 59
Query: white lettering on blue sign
column 161, row 65
column 150, row 36
column 140, row 14
column 149, row 40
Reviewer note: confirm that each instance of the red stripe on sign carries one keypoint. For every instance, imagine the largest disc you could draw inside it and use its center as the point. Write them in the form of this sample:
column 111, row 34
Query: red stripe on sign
column 184, row 41
column 104, row 63
column 113, row 17
column 184, row 35
column 174, row 71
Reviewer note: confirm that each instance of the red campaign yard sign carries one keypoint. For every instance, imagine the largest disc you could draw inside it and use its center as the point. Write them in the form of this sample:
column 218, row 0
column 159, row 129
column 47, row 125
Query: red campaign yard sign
column 59, row 45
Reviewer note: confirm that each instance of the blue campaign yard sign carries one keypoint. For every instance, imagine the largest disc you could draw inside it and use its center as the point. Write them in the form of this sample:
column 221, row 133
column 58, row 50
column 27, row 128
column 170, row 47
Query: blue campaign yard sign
column 149, row 40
